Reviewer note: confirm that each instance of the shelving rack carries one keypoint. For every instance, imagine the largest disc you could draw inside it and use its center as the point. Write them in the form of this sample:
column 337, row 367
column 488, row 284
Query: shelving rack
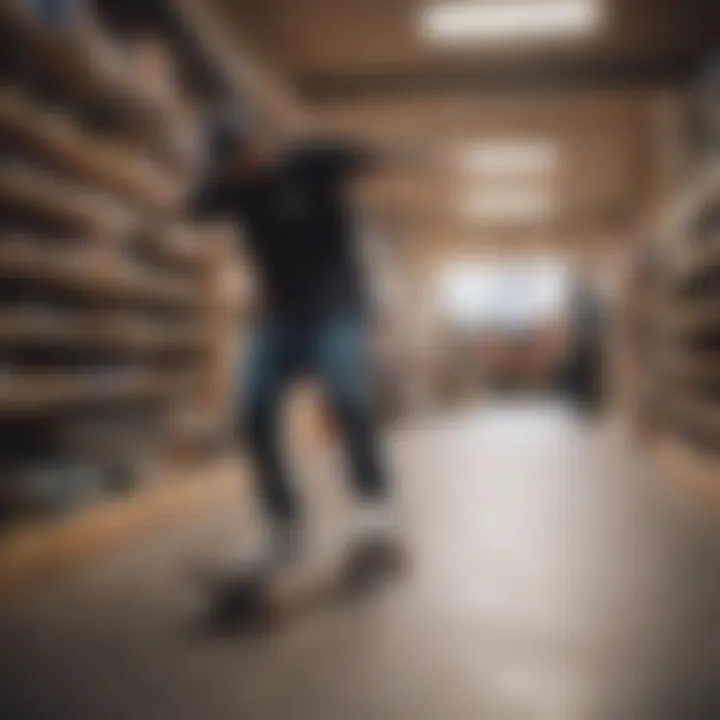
column 106, row 293
column 675, row 316
column 693, row 302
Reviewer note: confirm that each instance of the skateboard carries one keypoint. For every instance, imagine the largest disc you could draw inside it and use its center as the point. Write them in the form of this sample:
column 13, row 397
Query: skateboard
column 256, row 600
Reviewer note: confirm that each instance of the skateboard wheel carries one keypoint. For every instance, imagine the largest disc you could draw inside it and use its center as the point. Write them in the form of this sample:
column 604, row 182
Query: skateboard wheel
column 240, row 605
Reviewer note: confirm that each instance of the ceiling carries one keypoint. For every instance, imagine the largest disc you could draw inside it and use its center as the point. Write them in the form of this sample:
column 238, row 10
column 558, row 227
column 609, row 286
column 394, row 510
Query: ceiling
column 362, row 70
column 316, row 41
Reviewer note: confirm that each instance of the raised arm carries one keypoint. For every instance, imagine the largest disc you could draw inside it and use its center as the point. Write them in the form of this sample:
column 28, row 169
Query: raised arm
column 403, row 155
column 347, row 158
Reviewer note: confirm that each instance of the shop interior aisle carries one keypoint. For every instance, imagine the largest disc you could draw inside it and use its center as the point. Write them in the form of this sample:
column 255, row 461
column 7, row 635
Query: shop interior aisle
column 552, row 579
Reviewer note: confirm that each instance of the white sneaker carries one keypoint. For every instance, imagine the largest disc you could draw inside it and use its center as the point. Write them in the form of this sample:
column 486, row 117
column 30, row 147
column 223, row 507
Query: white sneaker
column 375, row 521
column 283, row 546
column 377, row 548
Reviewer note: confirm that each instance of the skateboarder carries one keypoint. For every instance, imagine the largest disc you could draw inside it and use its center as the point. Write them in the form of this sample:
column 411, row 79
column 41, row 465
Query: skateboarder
column 290, row 201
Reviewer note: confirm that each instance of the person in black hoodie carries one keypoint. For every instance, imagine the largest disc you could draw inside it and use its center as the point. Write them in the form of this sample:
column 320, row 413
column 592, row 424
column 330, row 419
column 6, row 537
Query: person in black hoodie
column 290, row 202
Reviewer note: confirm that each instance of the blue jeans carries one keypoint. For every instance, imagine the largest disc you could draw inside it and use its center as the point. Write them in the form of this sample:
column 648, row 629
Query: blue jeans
column 333, row 349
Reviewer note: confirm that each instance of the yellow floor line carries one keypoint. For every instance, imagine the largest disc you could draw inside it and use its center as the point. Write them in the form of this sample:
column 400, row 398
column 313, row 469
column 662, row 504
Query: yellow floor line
column 31, row 553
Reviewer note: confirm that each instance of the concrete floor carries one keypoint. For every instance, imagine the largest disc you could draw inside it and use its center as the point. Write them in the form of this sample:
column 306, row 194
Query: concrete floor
column 553, row 580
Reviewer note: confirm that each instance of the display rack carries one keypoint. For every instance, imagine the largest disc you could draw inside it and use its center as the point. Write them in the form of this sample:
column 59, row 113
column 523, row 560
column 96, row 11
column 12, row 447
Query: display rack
column 675, row 315
column 107, row 293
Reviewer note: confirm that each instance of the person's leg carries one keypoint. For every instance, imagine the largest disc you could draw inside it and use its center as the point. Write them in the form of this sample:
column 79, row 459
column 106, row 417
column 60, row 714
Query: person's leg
column 341, row 361
column 268, row 364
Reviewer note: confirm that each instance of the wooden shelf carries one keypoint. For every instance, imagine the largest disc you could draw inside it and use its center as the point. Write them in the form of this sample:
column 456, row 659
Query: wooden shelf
column 699, row 367
column 184, row 246
column 642, row 309
column 682, row 214
column 691, row 261
column 703, row 258
column 691, row 316
column 681, row 317
column 38, row 392
column 66, row 145
column 692, row 471
column 76, row 66
column 696, row 412
column 684, row 377
column 28, row 326
column 99, row 275
column 83, row 210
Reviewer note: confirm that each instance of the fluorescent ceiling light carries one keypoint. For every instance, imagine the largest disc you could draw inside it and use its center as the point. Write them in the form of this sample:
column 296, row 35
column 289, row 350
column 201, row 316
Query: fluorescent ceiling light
column 509, row 157
column 511, row 205
column 468, row 20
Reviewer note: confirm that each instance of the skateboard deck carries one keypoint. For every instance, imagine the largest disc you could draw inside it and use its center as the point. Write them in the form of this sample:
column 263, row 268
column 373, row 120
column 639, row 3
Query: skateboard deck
column 255, row 600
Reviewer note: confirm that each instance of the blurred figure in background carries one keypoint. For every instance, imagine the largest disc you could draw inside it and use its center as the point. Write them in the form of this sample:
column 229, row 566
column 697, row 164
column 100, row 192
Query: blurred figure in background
column 290, row 201
column 584, row 373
